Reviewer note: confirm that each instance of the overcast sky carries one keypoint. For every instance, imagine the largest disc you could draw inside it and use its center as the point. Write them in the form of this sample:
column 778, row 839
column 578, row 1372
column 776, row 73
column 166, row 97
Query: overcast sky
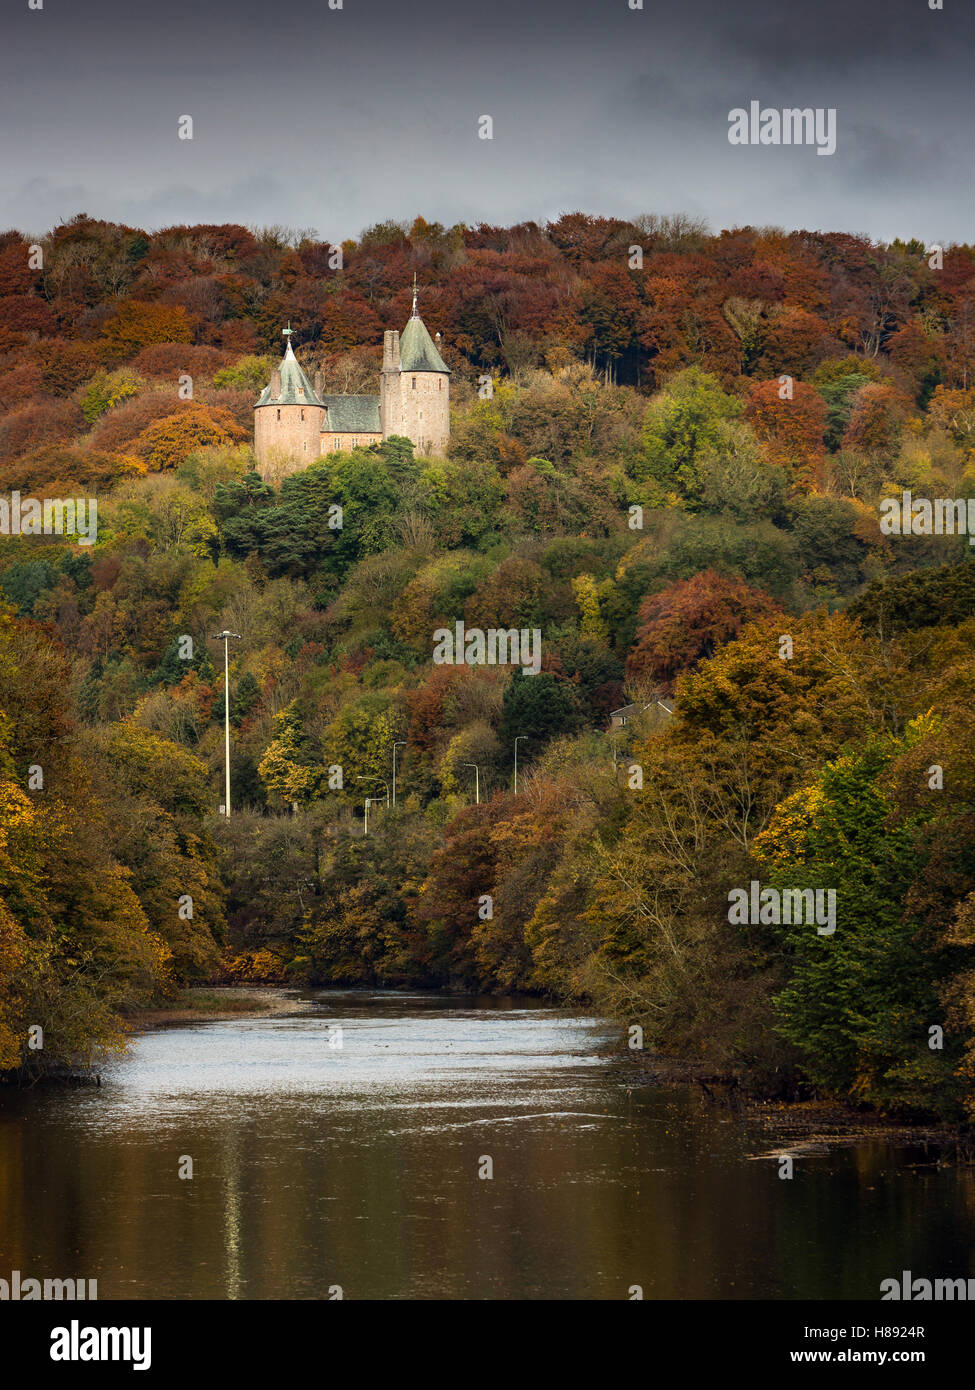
column 335, row 119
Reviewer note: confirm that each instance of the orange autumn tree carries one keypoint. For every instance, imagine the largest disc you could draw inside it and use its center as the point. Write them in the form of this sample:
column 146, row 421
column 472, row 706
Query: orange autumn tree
column 168, row 442
column 954, row 411
column 135, row 325
column 790, row 430
column 876, row 420
column 688, row 621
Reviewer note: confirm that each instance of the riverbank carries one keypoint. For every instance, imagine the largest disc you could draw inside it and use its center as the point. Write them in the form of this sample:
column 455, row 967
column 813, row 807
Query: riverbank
column 800, row 1128
column 219, row 1003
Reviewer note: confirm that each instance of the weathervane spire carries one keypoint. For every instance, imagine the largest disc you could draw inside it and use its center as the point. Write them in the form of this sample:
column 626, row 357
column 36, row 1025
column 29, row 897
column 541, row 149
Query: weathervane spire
column 415, row 314
column 287, row 332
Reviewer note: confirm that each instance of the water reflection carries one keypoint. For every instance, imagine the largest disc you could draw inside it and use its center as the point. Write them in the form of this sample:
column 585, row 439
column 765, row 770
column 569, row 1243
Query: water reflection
column 316, row 1166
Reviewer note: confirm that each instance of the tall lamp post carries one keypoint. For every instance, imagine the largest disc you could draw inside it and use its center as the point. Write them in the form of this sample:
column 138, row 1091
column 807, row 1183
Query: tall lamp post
column 477, row 781
column 517, row 741
column 225, row 637
column 400, row 744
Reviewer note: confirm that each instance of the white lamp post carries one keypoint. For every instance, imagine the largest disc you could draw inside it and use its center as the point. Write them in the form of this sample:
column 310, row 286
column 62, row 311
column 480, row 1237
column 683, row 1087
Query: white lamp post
column 517, row 741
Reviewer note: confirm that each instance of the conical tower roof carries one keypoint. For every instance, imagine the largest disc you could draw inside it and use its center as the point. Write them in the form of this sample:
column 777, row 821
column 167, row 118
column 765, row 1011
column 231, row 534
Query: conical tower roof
column 296, row 389
column 417, row 351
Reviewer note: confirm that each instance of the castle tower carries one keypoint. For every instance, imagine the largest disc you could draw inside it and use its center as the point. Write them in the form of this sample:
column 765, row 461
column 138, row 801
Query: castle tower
column 415, row 387
column 288, row 419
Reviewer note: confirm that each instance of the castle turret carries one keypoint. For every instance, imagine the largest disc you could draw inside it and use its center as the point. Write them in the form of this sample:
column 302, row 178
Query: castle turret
column 288, row 419
column 415, row 387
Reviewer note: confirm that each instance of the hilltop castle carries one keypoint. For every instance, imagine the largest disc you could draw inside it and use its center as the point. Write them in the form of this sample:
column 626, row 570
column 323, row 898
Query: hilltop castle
column 294, row 422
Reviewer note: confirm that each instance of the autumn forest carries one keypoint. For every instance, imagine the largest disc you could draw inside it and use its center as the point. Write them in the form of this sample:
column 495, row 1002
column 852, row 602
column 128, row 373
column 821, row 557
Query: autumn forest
column 669, row 450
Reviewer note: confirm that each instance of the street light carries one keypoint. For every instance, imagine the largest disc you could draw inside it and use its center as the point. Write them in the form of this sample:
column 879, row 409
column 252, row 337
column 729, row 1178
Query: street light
column 517, row 740
column 477, row 780
column 225, row 637
column 400, row 744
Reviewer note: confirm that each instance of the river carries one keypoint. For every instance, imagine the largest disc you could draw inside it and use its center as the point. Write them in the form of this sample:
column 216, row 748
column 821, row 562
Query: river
column 348, row 1148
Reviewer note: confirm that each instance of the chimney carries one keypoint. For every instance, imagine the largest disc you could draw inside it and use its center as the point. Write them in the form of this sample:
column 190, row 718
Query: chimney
column 391, row 350
column 275, row 385
column 318, row 383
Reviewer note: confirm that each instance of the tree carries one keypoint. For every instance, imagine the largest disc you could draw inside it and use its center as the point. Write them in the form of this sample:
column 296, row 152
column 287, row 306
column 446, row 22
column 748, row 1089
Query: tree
column 679, row 423
column 135, row 325
column 539, row 707
column 36, row 426
column 876, row 419
column 688, row 621
column 926, row 598
column 168, row 443
column 291, row 769
column 476, row 743
column 955, row 411
column 791, row 429
column 107, row 390
column 859, row 1000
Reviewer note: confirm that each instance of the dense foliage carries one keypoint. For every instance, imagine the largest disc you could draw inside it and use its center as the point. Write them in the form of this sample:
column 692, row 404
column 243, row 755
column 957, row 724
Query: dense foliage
column 675, row 477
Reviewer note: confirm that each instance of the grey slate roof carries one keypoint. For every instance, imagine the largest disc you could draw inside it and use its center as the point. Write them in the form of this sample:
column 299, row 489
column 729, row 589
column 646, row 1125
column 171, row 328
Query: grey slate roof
column 626, row 712
column 352, row 414
column 417, row 352
column 296, row 389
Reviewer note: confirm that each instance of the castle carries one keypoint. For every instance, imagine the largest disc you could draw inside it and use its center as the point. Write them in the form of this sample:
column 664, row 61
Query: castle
column 294, row 422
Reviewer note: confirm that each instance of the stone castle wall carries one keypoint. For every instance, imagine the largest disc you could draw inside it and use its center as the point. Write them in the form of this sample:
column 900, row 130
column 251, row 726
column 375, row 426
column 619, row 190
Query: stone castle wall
column 331, row 440
column 287, row 432
column 420, row 410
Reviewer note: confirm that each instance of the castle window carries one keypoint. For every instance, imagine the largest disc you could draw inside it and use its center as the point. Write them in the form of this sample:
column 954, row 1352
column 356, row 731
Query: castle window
column 302, row 414
column 279, row 415
column 439, row 383
column 414, row 383
column 354, row 443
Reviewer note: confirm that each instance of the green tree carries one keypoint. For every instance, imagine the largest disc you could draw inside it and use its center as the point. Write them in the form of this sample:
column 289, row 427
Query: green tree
column 683, row 420
column 540, row 707
column 859, row 1001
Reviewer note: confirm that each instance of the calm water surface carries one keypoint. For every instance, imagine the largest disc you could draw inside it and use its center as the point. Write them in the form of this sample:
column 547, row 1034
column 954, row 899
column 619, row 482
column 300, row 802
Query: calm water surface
column 316, row 1166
